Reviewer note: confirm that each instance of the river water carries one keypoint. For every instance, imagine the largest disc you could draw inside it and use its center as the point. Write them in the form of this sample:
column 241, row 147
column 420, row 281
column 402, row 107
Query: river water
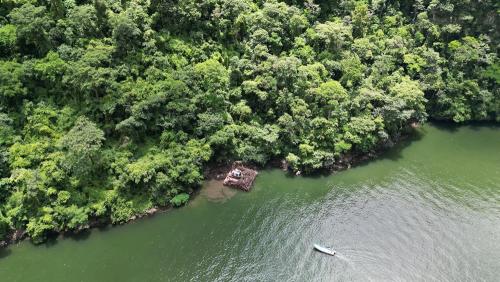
column 428, row 210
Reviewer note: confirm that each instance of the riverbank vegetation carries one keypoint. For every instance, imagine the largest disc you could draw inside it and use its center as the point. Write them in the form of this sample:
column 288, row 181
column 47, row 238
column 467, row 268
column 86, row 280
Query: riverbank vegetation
column 108, row 108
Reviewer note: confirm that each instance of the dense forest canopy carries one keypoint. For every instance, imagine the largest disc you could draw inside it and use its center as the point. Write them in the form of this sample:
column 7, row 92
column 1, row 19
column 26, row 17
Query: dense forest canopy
column 108, row 108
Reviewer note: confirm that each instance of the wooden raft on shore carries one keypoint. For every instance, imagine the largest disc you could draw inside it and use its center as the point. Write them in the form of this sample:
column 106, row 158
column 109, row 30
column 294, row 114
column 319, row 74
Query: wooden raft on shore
column 240, row 177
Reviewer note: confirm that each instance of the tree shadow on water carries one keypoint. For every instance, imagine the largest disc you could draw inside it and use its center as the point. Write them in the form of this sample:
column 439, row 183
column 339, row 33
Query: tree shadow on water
column 393, row 153
column 82, row 235
column 4, row 252
column 443, row 125
column 450, row 126
column 51, row 241
column 78, row 236
column 484, row 124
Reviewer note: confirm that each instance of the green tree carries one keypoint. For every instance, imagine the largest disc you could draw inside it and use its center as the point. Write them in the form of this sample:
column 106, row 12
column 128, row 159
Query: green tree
column 8, row 40
column 32, row 27
column 12, row 88
column 82, row 144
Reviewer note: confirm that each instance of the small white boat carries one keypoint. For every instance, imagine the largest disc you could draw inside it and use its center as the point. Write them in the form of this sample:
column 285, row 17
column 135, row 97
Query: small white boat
column 324, row 250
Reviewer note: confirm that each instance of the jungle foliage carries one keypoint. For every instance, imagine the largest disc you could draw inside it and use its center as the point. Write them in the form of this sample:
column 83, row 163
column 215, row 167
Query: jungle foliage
column 108, row 108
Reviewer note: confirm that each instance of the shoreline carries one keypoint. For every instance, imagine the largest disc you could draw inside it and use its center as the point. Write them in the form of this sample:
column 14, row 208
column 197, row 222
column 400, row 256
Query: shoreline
column 217, row 172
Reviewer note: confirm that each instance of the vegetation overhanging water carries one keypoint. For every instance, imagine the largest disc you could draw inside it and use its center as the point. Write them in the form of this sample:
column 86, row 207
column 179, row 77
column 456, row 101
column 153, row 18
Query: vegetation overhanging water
column 426, row 210
column 109, row 109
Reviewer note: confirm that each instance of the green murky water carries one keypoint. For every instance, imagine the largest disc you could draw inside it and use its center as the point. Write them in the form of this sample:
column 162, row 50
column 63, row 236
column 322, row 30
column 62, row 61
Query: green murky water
column 427, row 211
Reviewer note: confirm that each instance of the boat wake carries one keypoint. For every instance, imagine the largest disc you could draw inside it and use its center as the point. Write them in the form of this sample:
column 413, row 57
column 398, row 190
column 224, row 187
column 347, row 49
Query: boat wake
column 345, row 259
column 342, row 257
